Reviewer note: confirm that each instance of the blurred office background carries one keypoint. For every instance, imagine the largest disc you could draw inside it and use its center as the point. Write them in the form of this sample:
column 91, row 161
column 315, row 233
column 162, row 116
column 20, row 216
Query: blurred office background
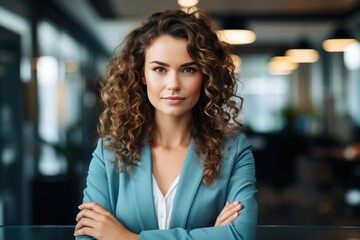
column 302, row 115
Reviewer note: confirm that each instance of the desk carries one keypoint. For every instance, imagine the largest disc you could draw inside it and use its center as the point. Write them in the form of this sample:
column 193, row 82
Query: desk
column 264, row 232
column 307, row 232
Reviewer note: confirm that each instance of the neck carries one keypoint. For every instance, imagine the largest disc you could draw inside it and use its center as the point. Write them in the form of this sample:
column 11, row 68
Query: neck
column 172, row 132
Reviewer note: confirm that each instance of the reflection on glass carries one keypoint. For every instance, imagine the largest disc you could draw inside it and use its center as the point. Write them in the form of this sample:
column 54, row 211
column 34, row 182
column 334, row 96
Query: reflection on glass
column 50, row 164
column 352, row 56
column 47, row 70
column 8, row 151
column 265, row 97
column 47, row 87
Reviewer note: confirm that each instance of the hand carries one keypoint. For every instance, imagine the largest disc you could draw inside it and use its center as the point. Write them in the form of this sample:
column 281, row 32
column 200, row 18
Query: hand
column 95, row 221
column 228, row 214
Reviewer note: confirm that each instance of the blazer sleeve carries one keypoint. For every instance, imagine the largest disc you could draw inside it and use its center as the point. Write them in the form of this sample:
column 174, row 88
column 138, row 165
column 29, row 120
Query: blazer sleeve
column 97, row 182
column 242, row 187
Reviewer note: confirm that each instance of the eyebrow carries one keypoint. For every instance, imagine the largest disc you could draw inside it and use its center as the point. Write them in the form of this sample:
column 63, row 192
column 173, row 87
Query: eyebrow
column 165, row 64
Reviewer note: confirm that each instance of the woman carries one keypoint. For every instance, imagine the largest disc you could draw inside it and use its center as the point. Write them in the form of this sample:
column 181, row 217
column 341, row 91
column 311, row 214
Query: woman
column 171, row 162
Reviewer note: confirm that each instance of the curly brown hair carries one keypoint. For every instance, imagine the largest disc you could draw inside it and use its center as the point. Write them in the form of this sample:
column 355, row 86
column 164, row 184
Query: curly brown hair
column 127, row 115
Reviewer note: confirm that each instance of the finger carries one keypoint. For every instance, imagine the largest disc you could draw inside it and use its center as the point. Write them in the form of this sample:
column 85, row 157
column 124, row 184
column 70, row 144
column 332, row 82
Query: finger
column 85, row 222
column 88, row 231
column 230, row 218
column 93, row 206
column 230, row 209
column 89, row 205
column 226, row 208
column 87, row 213
column 227, row 205
column 229, row 213
column 226, row 219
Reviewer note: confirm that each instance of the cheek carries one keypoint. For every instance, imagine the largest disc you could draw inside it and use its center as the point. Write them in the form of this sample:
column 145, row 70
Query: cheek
column 147, row 80
column 196, row 88
column 152, row 89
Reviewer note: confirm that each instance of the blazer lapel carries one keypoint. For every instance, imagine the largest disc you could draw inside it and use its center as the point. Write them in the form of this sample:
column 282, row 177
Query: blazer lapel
column 190, row 179
column 141, row 179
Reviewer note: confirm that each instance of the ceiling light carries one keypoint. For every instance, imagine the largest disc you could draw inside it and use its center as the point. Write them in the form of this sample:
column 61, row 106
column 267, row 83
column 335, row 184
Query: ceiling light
column 337, row 45
column 339, row 41
column 302, row 53
column 187, row 3
column 275, row 69
column 236, row 36
column 234, row 31
column 281, row 65
column 284, row 61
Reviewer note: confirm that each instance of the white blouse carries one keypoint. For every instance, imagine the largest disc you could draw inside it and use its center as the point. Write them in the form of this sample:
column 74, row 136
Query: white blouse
column 164, row 205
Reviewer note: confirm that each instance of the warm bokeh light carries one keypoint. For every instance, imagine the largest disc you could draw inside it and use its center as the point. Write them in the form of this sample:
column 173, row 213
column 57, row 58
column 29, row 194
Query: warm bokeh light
column 70, row 67
column 236, row 36
column 302, row 55
column 337, row 45
column 281, row 65
column 187, row 3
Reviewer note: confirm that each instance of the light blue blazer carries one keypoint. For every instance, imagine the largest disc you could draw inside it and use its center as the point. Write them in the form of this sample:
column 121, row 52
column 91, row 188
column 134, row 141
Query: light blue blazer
column 196, row 206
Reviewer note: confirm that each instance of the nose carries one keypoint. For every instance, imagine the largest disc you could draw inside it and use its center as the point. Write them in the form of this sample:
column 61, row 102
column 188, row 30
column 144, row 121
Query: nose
column 173, row 82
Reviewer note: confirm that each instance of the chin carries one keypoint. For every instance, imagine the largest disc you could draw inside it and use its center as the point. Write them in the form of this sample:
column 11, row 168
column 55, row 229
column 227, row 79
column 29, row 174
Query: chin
column 176, row 114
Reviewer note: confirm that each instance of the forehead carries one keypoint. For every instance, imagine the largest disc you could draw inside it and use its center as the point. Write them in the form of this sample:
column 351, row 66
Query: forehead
column 168, row 47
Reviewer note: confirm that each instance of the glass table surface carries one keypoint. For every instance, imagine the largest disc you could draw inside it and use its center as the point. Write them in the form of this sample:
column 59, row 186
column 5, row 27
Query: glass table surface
column 264, row 232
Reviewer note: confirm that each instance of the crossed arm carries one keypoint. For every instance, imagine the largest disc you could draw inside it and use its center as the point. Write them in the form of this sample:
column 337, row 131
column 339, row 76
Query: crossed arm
column 95, row 221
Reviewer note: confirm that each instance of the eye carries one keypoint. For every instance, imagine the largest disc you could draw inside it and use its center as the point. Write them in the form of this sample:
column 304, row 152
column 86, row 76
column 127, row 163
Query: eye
column 159, row 69
column 189, row 70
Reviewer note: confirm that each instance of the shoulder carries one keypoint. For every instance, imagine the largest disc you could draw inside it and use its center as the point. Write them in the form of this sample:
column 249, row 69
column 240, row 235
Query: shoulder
column 107, row 155
column 237, row 140
column 237, row 148
column 102, row 151
column 103, row 161
column 100, row 147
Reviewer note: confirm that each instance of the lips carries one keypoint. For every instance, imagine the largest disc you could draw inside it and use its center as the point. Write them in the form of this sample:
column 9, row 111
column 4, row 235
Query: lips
column 173, row 100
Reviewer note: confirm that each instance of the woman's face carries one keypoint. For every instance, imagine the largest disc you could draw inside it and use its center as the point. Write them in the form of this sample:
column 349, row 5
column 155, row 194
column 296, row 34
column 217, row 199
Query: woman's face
column 172, row 77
